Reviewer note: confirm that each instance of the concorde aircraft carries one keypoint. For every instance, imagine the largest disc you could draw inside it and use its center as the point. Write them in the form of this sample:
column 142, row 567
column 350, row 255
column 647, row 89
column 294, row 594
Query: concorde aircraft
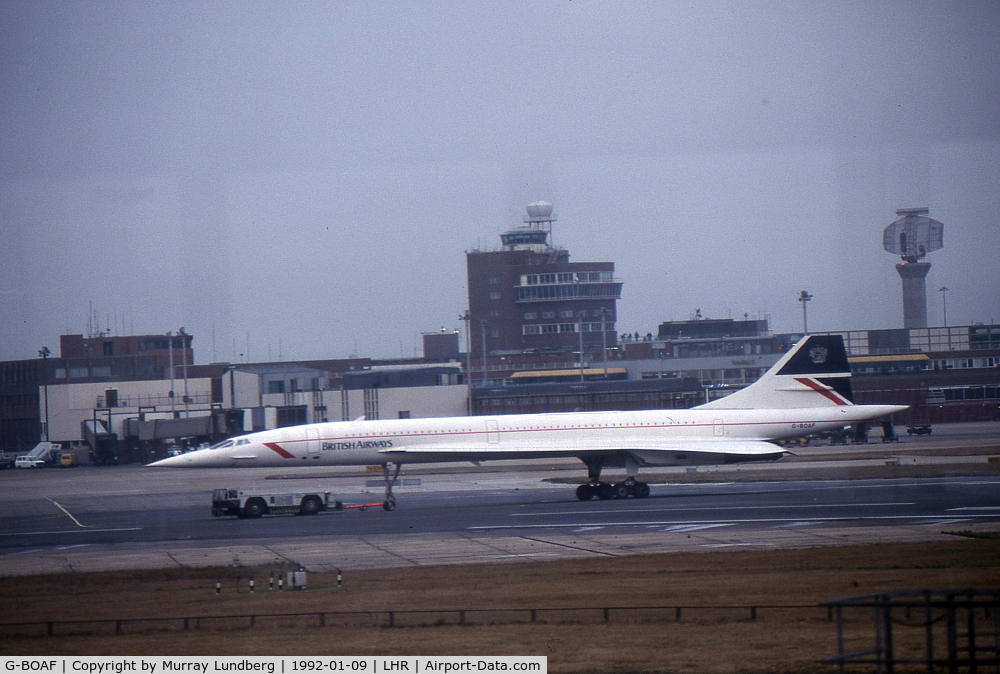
column 807, row 391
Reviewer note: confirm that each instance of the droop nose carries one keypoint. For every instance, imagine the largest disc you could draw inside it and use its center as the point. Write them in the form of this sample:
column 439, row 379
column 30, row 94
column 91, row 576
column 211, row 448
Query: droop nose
column 174, row 461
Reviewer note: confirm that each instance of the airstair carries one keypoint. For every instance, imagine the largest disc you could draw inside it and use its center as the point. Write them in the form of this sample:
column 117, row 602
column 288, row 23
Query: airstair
column 44, row 450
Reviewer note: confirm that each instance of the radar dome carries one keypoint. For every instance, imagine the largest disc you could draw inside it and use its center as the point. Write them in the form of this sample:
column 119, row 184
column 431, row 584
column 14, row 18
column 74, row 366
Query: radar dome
column 539, row 209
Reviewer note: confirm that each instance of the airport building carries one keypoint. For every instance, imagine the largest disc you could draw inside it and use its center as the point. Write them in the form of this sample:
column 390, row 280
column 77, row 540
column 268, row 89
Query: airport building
column 105, row 408
column 542, row 338
column 527, row 297
column 945, row 374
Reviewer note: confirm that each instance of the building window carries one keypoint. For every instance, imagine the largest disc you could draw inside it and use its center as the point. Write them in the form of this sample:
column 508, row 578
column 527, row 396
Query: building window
column 494, row 296
column 275, row 387
column 530, row 316
column 567, row 327
column 548, row 314
column 494, row 280
column 495, row 333
column 532, row 279
column 566, row 313
column 550, row 328
column 566, row 277
column 531, row 330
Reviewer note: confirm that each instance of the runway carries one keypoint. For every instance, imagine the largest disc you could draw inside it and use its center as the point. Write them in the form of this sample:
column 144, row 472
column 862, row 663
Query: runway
column 88, row 518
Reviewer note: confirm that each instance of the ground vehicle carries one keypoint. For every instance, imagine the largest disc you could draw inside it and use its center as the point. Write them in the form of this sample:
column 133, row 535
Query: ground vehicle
column 919, row 429
column 257, row 504
column 38, row 456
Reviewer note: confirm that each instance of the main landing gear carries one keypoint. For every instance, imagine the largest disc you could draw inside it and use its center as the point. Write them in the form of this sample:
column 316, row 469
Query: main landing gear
column 603, row 490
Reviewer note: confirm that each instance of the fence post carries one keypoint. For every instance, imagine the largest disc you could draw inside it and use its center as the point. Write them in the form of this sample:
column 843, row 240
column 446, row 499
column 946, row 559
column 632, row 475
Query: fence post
column 534, row 615
column 753, row 613
column 607, row 615
column 677, row 613
column 52, row 629
column 392, row 618
column 461, row 617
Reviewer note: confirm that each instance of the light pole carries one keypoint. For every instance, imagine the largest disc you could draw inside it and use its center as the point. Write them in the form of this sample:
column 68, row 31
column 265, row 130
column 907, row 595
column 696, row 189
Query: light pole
column 804, row 297
column 944, row 308
column 45, row 353
column 603, row 313
column 184, row 353
column 467, row 317
column 482, row 330
column 170, row 359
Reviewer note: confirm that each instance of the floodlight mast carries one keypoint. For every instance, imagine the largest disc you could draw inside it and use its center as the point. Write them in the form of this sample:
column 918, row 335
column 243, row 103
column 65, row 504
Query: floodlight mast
column 804, row 297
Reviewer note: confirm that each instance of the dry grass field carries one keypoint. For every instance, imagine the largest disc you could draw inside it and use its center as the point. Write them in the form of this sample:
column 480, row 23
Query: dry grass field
column 574, row 641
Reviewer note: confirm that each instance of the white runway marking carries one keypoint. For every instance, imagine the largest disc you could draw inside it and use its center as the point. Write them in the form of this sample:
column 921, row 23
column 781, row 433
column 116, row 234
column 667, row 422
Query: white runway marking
column 695, row 527
column 666, row 523
column 88, row 530
column 766, row 507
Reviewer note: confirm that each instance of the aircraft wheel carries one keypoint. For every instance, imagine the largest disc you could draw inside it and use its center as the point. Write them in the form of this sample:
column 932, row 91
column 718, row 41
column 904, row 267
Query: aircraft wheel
column 640, row 490
column 585, row 492
column 619, row 490
column 605, row 491
column 390, row 504
column 310, row 505
column 255, row 507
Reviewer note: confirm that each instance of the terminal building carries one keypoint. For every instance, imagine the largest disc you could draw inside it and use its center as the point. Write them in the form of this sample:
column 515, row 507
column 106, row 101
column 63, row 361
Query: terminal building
column 542, row 338
column 528, row 298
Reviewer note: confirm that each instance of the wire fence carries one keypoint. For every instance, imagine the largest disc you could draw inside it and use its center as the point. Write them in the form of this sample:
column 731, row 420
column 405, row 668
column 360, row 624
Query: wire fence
column 418, row 618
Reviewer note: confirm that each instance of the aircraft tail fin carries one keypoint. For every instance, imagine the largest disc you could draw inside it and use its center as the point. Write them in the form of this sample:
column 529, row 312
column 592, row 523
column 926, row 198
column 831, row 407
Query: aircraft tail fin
column 814, row 373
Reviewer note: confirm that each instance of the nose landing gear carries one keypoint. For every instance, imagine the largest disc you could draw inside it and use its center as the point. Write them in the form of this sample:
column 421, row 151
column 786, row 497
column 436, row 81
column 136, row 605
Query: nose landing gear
column 390, row 501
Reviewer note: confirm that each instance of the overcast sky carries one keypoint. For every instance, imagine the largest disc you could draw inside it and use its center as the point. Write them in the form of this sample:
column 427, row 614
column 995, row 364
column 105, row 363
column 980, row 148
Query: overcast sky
column 302, row 179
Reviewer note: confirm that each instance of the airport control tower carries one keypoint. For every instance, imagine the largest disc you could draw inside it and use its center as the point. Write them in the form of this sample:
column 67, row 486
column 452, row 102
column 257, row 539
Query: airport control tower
column 911, row 237
column 528, row 296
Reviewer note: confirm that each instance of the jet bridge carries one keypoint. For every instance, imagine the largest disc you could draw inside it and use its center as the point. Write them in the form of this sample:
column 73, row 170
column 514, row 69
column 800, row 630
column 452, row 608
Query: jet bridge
column 103, row 443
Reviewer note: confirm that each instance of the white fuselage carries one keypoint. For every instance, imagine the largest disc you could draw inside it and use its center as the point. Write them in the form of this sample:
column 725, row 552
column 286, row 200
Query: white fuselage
column 653, row 438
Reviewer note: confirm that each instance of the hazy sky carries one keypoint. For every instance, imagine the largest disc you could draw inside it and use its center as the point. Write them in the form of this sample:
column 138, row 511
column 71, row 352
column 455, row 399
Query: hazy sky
column 305, row 177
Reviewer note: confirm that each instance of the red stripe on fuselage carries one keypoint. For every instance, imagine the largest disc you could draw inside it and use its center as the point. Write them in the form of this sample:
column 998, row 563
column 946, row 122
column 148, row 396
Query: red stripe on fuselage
column 275, row 447
column 822, row 390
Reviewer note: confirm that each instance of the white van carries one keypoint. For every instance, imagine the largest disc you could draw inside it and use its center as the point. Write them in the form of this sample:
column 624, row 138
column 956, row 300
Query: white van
column 28, row 462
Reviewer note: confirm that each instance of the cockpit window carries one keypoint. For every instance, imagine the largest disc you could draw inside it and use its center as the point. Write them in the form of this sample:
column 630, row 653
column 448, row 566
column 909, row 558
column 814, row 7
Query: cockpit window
column 222, row 445
column 242, row 441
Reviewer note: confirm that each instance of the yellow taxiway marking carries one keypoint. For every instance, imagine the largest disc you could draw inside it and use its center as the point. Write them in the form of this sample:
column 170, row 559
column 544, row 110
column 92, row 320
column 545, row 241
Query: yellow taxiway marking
column 68, row 513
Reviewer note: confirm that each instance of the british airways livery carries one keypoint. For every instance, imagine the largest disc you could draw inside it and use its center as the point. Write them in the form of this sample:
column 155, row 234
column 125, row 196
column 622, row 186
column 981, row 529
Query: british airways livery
column 807, row 391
